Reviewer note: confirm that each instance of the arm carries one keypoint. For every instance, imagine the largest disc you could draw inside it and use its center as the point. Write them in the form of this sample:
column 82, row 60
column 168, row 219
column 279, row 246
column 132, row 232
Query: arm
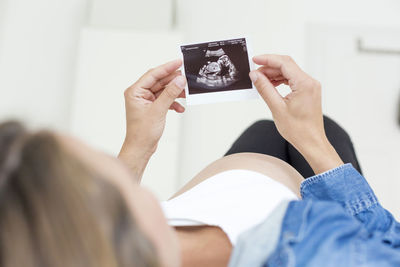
column 147, row 103
column 298, row 117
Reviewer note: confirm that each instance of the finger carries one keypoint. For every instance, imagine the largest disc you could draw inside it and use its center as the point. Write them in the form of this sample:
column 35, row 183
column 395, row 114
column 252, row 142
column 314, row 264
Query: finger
column 274, row 75
column 277, row 83
column 267, row 91
column 182, row 95
column 277, row 79
column 270, row 72
column 177, row 107
column 147, row 94
column 285, row 64
column 281, row 78
column 163, row 82
column 140, row 93
column 150, row 78
column 170, row 94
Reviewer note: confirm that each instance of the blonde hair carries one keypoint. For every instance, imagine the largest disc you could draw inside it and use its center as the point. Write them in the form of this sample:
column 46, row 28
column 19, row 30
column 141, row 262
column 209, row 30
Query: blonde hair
column 54, row 212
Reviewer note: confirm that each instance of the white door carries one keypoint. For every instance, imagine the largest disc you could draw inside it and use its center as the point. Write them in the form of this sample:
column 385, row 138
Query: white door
column 359, row 68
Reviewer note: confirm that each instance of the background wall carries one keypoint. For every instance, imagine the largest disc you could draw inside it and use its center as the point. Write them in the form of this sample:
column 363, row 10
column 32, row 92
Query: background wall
column 65, row 64
column 132, row 14
column 39, row 44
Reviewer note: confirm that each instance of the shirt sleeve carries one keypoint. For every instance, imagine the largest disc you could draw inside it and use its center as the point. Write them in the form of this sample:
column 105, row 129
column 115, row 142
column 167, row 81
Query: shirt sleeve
column 348, row 187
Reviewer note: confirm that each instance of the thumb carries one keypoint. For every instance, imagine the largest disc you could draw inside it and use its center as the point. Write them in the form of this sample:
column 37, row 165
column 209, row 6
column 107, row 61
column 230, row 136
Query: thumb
column 267, row 91
column 170, row 93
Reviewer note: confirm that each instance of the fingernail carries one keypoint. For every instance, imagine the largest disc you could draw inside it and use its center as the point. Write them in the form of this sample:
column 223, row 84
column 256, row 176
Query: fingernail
column 180, row 81
column 253, row 76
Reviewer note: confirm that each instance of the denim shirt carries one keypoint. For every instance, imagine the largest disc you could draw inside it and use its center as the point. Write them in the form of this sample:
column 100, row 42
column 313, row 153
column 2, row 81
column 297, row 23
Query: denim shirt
column 338, row 222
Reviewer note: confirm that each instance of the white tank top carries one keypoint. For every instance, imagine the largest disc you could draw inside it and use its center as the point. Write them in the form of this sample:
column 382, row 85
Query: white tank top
column 234, row 200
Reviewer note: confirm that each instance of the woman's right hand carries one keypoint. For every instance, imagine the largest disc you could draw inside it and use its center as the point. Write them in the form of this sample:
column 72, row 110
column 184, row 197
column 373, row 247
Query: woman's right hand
column 298, row 116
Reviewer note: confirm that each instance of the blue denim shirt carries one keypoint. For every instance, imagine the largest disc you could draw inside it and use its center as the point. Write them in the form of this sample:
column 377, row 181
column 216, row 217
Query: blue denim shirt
column 338, row 222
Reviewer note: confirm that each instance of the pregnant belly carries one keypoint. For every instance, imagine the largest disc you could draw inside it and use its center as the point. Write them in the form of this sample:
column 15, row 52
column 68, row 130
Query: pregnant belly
column 272, row 167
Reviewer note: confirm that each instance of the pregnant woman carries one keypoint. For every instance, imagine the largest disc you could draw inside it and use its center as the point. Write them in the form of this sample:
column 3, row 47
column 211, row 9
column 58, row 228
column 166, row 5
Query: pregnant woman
column 239, row 201
column 64, row 204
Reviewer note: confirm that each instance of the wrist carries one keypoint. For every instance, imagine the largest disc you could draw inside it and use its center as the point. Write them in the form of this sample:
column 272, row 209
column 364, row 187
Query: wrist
column 138, row 142
column 137, row 148
column 320, row 155
column 136, row 157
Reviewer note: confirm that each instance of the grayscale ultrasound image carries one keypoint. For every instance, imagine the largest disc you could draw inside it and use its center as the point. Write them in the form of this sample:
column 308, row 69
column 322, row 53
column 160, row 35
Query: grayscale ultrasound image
column 217, row 66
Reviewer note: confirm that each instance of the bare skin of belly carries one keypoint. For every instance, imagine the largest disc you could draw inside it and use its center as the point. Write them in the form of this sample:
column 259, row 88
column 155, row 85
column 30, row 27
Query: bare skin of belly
column 209, row 245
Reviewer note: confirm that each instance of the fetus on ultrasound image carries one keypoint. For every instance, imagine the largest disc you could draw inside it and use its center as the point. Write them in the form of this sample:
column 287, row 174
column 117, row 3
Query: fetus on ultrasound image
column 217, row 66
column 221, row 73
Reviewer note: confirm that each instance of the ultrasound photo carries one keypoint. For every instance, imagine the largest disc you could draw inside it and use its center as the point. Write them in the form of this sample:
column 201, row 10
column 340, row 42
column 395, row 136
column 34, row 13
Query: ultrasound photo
column 217, row 66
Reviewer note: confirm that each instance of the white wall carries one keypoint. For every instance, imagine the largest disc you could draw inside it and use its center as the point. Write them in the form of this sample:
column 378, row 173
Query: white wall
column 37, row 59
column 134, row 14
column 2, row 19
column 279, row 26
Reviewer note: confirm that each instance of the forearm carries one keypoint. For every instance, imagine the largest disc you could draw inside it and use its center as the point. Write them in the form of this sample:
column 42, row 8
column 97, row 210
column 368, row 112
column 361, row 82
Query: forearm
column 136, row 158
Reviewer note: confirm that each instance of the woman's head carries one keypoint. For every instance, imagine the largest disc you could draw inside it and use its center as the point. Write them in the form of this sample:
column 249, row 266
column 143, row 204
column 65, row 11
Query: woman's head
column 63, row 204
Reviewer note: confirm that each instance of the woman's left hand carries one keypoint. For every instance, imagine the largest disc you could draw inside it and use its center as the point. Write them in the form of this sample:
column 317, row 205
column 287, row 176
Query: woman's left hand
column 147, row 103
